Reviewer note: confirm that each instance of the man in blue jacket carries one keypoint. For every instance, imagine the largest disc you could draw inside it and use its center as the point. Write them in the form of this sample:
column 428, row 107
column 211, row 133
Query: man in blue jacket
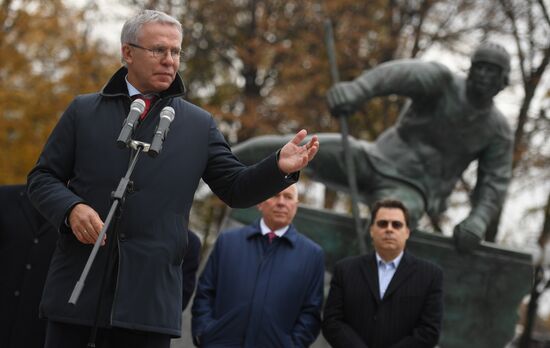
column 262, row 285
column 138, row 303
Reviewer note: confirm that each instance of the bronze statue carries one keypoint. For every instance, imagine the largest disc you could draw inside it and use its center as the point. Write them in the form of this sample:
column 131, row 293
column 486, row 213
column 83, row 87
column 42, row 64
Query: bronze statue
column 449, row 122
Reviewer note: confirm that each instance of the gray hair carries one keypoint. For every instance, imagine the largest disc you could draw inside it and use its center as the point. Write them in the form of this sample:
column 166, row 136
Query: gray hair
column 132, row 27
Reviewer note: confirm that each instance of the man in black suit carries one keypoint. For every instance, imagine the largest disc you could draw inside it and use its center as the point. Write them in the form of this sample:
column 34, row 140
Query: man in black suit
column 388, row 298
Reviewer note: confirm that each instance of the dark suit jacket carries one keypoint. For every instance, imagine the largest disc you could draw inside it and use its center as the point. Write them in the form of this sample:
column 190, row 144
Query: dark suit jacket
column 27, row 243
column 189, row 267
column 408, row 316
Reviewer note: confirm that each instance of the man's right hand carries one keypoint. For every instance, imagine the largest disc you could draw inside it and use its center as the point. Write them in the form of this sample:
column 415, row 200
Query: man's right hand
column 344, row 97
column 85, row 224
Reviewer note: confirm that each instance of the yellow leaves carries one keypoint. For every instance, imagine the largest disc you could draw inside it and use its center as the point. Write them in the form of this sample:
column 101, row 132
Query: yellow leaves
column 47, row 59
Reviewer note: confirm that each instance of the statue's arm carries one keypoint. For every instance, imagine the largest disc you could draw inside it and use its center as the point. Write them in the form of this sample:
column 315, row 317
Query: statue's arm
column 418, row 80
column 493, row 177
column 412, row 78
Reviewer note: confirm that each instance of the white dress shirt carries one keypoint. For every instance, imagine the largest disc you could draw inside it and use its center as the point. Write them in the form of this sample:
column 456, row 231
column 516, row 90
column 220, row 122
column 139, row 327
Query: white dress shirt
column 265, row 230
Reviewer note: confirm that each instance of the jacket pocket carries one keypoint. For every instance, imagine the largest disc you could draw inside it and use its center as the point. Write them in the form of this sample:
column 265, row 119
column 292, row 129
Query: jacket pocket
column 228, row 329
column 275, row 337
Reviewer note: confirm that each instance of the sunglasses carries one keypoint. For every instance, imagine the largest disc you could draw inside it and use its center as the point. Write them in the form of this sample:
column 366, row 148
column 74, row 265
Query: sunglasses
column 394, row 224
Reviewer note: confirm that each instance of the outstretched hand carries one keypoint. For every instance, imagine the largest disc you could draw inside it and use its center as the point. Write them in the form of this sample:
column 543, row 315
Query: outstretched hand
column 294, row 157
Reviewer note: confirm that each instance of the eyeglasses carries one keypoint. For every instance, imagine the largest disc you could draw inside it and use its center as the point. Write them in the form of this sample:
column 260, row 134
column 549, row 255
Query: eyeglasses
column 160, row 52
column 394, row 223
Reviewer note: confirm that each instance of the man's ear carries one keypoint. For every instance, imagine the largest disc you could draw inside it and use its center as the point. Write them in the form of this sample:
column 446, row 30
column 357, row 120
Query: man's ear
column 127, row 54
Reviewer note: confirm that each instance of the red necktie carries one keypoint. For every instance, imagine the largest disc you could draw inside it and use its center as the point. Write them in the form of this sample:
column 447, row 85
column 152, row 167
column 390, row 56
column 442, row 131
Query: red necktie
column 271, row 235
column 148, row 103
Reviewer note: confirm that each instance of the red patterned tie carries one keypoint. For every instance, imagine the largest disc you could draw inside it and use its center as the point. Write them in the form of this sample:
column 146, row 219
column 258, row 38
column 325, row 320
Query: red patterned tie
column 271, row 235
column 148, row 103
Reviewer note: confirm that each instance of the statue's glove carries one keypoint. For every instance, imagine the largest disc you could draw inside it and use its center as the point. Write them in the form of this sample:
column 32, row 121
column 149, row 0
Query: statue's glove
column 344, row 97
column 469, row 233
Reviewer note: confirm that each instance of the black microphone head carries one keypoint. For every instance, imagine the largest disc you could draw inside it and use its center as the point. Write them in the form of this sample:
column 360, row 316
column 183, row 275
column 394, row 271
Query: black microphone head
column 168, row 112
column 138, row 105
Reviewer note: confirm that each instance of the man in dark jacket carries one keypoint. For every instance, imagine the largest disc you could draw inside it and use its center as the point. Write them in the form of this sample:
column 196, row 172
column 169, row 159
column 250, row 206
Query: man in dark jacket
column 27, row 243
column 262, row 285
column 138, row 303
column 386, row 299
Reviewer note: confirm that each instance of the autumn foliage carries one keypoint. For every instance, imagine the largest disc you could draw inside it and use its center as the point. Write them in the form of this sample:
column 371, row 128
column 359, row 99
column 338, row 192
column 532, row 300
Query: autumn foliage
column 47, row 58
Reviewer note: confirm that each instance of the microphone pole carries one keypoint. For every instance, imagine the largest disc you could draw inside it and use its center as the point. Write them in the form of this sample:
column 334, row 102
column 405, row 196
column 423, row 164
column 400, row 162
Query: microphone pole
column 117, row 196
column 124, row 139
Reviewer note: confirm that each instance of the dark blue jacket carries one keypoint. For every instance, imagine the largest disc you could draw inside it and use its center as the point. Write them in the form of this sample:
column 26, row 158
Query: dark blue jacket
column 250, row 295
column 81, row 163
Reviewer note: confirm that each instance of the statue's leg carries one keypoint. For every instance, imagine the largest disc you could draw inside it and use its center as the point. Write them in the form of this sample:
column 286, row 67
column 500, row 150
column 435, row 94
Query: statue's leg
column 255, row 149
column 328, row 166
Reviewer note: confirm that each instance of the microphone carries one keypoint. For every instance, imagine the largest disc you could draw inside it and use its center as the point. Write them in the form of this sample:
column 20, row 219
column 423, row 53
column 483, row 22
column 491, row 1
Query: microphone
column 129, row 124
column 166, row 117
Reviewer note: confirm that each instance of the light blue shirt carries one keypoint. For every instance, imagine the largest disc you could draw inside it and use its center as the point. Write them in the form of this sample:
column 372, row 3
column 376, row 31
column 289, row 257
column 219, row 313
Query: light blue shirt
column 386, row 270
column 133, row 91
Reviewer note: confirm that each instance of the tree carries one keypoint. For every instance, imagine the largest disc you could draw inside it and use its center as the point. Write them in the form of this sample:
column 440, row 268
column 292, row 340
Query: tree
column 47, row 58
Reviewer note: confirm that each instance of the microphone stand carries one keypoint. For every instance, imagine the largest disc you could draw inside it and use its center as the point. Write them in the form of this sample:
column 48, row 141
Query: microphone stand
column 118, row 196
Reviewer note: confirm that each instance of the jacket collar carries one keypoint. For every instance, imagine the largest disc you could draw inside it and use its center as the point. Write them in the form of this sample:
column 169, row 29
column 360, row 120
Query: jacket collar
column 291, row 235
column 116, row 86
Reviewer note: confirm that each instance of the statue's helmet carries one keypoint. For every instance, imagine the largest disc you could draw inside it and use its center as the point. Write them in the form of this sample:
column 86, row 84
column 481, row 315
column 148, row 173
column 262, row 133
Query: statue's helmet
column 495, row 54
